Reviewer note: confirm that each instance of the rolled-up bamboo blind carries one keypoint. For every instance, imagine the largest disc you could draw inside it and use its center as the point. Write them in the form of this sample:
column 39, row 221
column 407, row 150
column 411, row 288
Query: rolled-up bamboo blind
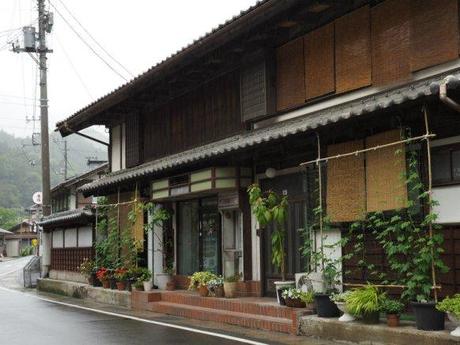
column 353, row 50
column 434, row 32
column 386, row 189
column 290, row 80
column 390, row 32
column 345, row 198
column 319, row 62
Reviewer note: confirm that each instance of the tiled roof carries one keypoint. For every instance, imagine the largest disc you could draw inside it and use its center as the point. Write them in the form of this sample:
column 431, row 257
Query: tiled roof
column 309, row 121
column 77, row 215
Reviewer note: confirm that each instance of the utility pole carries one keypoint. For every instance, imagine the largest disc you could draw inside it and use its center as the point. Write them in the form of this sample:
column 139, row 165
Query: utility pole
column 65, row 160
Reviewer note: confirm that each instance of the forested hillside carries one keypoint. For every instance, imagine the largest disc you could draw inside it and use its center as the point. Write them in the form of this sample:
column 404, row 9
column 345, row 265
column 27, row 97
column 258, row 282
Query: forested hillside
column 20, row 167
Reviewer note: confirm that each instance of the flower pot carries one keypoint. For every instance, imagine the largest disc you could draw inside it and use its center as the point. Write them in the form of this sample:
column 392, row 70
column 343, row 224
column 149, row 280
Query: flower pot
column 203, row 290
column 325, row 307
column 280, row 287
column 113, row 283
column 456, row 322
column 105, row 284
column 230, row 289
column 162, row 280
column 171, row 285
column 121, row 286
column 427, row 317
column 393, row 320
column 147, row 285
column 219, row 291
column 371, row 318
column 346, row 317
column 295, row 302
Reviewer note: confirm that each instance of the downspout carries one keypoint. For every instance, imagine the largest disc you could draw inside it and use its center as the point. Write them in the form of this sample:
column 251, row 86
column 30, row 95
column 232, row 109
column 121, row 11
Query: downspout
column 449, row 81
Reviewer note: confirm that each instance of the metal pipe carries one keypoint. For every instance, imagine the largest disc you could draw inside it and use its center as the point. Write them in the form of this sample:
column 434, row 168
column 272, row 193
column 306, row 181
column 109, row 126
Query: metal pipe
column 443, row 93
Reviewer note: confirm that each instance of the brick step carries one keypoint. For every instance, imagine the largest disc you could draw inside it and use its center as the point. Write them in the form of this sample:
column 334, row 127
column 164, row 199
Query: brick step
column 233, row 305
column 263, row 322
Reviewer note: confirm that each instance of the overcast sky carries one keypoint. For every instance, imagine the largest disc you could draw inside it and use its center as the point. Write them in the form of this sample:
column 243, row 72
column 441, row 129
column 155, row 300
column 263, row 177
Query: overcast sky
column 138, row 33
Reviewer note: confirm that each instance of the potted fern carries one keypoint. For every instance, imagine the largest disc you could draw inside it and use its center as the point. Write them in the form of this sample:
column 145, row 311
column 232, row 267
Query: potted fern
column 366, row 303
column 271, row 208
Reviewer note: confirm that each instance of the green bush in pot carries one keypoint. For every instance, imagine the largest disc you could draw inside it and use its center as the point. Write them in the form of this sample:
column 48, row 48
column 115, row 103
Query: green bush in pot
column 366, row 303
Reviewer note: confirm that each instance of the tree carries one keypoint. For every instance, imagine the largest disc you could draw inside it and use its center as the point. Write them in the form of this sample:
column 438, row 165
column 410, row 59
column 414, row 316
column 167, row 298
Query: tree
column 8, row 217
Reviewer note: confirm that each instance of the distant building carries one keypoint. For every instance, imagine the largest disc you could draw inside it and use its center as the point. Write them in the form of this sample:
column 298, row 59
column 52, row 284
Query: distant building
column 22, row 235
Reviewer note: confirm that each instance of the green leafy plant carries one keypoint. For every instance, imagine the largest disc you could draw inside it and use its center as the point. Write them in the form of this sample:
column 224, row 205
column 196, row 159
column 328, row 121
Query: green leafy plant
column 391, row 306
column 26, row 251
column 121, row 274
column 450, row 305
column 365, row 300
column 198, row 279
column 307, row 297
column 269, row 207
column 215, row 283
column 146, row 275
column 340, row 297
column 234, row 278
column 87, row 267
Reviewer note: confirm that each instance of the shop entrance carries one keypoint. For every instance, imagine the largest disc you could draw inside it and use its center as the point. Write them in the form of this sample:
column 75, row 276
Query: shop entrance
column 198, row 236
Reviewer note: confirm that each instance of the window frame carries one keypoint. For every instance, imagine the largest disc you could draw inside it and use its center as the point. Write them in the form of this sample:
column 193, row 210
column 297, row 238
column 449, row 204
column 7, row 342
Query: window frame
column 450, row 148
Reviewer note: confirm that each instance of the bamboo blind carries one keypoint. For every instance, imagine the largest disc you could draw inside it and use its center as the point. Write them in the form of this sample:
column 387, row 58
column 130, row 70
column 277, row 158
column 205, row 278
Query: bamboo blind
column 434, row 32
column 353, row 50
column 390, row 56
column 290, row 75
column 319, row 62
column 386, row 189
column 345, row 197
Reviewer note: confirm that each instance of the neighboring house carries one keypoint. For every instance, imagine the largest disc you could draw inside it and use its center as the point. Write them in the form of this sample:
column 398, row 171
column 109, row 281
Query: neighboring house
column 71, row 225
column 20, row 238
column 249, row 101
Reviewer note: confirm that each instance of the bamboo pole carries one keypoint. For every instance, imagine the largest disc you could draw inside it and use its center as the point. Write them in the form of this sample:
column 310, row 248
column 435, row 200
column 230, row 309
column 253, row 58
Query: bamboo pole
column 320, row 197
column 389, row 286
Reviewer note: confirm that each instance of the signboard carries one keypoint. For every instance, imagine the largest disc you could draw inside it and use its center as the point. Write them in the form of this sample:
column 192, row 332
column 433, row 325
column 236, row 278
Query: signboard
column 229, row 200
column 37, row 198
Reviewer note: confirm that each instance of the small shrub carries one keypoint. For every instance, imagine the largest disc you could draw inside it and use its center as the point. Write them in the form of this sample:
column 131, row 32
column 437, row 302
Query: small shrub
column 198, row 279
column 365, row 300
column 450, row 305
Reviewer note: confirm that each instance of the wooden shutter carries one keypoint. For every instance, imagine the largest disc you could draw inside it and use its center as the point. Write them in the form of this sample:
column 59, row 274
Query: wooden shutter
column 353, row 50
column 254, row 91
column 434, row 32
column 390, row 41
column 132, row 141
column 319, row 62
column 345, row 183
column 290, row 80
column 386, row 189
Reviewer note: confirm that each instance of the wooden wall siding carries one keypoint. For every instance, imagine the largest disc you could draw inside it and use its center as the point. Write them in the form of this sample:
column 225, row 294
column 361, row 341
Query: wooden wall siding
column 69, row 259
column 434, row 32
column 254, row 90
column 346, row 190
column 390, row 42
column 132, row 141
column 386, row 189
column 353, row 50
column 290, row 77
column 208, row 113
column 319, row 62
column 137, row 228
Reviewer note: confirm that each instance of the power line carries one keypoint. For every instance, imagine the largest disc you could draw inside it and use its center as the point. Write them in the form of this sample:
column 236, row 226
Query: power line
column 87, row 44
column 95, row 41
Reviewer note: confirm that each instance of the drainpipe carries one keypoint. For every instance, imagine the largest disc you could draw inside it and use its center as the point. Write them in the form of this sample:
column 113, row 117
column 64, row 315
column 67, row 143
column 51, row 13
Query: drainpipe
column 449, row 81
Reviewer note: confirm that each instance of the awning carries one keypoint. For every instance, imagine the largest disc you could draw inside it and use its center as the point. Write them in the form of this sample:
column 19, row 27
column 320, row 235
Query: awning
column 5, row 232
column 72, row 217
column 307, row 119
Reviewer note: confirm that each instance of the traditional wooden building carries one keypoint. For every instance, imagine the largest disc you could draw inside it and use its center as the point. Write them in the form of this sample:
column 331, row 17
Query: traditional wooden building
column 71, row 225
column 252, row 100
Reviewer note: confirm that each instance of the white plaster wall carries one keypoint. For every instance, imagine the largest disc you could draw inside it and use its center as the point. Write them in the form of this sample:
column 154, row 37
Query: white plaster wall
column 157, row 252
column 255, row 249
column 330, row 238
column 85, row 237
column 123, row 146
column 73, row 199
column 70, row 236
column 58, row 239
column 116, row 147
column 449, row 204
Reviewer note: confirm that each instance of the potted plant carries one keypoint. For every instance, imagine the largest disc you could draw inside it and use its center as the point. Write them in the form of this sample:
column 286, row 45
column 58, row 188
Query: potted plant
column 296, row 298
column 230, row 284
column 121, row 275
column 451, row 306
column 199, row 281
column 164, row 278
column 103, row 275
column 146, row 279
column 138, row 285
column 340, row 301
column 216, row 286
column 271, row 208
column 87, row 269
column 324, row 305
column 366, row 303
column 393, row 310
column 133, row 274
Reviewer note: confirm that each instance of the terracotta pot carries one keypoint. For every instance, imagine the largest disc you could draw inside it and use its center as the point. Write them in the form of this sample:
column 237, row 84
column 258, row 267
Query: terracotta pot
column 295, row 302
column 171, row 285
column 230, row 289
column 121, row 286
column 105, row 284
column 219, row 291
column 203, row 290
column 392, row 320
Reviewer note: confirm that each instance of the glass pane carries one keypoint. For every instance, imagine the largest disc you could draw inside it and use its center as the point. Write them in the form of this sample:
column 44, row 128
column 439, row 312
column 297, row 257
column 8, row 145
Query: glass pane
column 456, row 165
column 188, row 237
column 210, row 235
column 441, row 166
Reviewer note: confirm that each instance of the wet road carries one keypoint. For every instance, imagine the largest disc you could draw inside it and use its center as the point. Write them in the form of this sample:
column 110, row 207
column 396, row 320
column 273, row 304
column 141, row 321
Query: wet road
column 26, row 319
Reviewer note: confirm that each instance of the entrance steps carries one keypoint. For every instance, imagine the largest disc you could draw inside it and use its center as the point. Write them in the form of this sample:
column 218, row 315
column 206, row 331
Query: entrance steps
column 257, row 313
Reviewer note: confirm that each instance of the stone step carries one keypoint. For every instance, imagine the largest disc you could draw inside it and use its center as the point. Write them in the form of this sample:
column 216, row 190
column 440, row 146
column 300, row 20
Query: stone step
column 263, row 322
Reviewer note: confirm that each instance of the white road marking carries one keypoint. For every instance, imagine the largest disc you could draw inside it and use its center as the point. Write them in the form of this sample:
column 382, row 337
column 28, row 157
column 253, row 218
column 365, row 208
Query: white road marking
column 158, row 323
column 10, row 272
